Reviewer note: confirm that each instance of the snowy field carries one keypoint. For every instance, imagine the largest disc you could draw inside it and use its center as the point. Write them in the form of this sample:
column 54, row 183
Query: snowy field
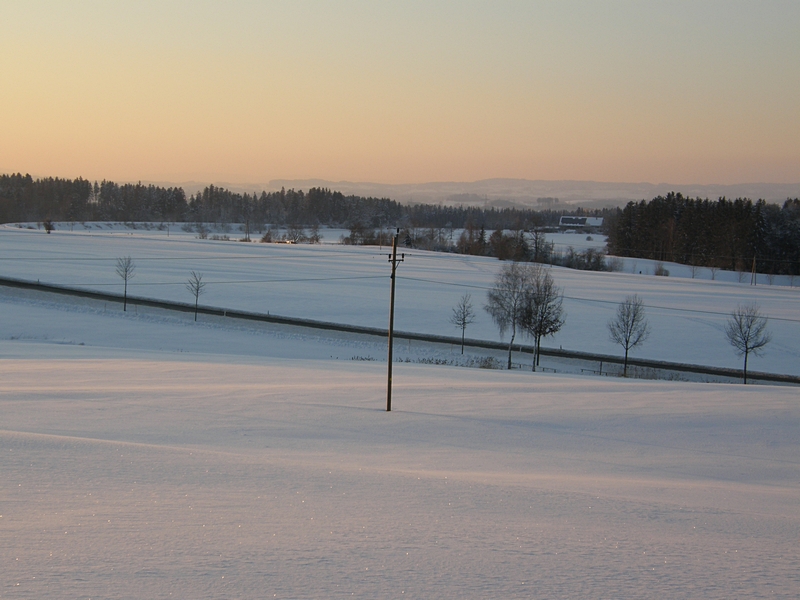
column 346, row 284
column 143, row 455
column 146, row 456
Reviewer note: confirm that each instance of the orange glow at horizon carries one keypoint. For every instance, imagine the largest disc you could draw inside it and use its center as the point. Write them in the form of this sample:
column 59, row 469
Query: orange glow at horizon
column 249, row 93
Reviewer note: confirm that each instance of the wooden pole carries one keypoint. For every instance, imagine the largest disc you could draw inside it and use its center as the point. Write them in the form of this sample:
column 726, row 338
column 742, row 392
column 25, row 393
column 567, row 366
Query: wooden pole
column 394, row 260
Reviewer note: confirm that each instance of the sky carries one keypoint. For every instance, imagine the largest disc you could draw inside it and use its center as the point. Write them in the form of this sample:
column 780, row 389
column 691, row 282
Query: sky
column 405, row 92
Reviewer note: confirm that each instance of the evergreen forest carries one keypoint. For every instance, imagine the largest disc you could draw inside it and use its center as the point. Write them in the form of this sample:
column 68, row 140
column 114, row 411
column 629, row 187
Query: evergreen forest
column 24, row 199
column 735, row 234
column 721, row 234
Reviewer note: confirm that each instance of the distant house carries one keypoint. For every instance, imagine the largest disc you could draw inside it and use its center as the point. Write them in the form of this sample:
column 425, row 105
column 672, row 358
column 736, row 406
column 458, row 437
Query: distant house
column 567, row 222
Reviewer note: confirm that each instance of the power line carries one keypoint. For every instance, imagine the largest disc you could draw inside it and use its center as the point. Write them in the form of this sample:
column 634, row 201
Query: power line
column 774, row 261
column 198, row 257
column 419, row 279
column 243, row 281
column 598, row 301
column 325, row 279
column 706, row 257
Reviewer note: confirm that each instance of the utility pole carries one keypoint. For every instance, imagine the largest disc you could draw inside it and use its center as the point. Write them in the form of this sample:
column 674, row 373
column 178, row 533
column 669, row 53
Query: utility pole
column 394, row 260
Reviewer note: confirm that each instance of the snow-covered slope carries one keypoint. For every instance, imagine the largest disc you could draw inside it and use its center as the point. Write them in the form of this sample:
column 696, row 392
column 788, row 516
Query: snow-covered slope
column 143, row 456
column 351, row 285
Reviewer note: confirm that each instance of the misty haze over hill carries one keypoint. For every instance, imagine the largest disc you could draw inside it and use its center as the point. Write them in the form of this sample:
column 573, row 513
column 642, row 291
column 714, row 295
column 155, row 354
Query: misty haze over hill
column 503, row 193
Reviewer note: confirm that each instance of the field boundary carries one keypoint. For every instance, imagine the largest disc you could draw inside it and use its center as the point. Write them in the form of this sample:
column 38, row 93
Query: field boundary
column 600, row 359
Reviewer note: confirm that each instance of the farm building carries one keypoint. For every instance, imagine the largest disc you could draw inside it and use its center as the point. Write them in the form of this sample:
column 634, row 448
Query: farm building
column 568, row 222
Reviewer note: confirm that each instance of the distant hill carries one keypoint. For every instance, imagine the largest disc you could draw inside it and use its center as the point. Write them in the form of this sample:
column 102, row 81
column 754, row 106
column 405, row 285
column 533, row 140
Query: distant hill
column 503, row 193
column 525, row 192
column 510, row 193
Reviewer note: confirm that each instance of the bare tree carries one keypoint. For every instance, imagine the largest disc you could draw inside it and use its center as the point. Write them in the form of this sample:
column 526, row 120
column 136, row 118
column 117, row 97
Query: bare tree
column 314, row 236
column 271, row 235
column 463, row 315
column 629, row 327
column 126, row 270
column 746, row 331
column 295, row 234
column 542, row 311
column 659, row 270
column 504, row 302
column 538, row 246
column 196, row 286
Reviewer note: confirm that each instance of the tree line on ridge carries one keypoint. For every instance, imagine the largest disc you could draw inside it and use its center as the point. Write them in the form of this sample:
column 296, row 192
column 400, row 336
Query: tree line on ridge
column 721, row 234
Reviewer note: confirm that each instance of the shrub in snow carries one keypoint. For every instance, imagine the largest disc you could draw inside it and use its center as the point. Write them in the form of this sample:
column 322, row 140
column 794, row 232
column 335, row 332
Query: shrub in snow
column 660, row 271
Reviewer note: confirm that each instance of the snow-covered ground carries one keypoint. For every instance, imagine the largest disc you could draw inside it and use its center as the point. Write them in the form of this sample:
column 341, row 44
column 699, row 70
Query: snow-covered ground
column 349, row 284
column 145, row 456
